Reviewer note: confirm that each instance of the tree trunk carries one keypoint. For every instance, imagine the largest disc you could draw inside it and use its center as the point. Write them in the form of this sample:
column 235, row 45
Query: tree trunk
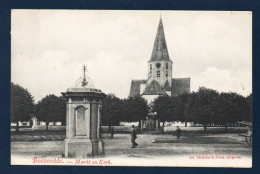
column 185, row 123
column 205, row 127
column 109, row 126
column 17, row 126
column 225, row 127
column 158, row 123
column 163, row 126
column 47, row 125
column 139, row 124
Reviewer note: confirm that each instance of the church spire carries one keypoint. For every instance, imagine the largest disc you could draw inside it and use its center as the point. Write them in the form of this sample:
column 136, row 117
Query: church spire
column 160, row 51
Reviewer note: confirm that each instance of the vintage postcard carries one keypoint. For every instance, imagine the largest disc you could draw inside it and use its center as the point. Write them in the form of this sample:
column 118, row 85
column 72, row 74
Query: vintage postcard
column 131, row 88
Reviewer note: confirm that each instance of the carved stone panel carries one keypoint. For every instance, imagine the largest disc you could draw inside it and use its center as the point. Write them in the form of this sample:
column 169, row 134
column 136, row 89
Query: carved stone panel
column 80, row 122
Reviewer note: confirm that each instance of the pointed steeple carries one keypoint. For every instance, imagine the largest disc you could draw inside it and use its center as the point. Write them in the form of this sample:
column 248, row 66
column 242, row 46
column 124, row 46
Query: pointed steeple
column 160, row 51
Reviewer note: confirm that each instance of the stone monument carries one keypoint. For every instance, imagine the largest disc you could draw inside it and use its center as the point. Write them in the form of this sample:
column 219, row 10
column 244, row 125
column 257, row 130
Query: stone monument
column 83, row 115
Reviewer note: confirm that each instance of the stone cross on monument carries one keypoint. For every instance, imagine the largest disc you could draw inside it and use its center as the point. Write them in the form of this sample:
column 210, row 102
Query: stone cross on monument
column 83, row 115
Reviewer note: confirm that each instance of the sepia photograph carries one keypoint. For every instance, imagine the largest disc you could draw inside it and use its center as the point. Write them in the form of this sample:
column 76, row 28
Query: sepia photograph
column 151, row 88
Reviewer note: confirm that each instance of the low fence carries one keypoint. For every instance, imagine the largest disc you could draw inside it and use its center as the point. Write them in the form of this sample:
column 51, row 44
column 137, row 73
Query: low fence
column 170, row 129
column 50, row 127
column 201, row 129
column 128, row 128
column 105, row 129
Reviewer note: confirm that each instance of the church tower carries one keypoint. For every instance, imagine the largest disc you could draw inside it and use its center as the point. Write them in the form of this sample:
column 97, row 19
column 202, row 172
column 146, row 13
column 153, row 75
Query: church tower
column 160, row 65
column 159, row 81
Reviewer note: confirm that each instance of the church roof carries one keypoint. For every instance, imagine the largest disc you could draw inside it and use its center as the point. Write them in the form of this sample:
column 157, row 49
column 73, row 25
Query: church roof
column 167, row 86
column 135, row 87
column 154, row 88
column 180, row 86
column 160, row 51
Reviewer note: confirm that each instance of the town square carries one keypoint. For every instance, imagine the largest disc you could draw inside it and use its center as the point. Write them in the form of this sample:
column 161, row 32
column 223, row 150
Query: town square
column 131, row 88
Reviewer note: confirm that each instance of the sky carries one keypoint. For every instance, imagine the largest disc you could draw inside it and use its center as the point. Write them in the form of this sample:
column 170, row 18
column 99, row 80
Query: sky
column 49, row 48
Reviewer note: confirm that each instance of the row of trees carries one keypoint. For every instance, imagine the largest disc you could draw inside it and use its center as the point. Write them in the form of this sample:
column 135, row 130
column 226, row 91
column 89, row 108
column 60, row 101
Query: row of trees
column 206, row 107
column 53, row 108
column 115, row 110
column 50, row 109
column 22, row 104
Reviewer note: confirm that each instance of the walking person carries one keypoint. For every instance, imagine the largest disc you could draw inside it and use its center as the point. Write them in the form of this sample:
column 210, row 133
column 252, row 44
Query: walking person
column 133, row 137
column 178, row 131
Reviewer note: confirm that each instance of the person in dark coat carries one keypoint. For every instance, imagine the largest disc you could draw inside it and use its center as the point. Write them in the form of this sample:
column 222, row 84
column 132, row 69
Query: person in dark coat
column 178, row 132
column 133, row 137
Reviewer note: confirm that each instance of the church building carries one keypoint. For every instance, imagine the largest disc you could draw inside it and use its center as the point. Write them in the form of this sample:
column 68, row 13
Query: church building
column 159, row 81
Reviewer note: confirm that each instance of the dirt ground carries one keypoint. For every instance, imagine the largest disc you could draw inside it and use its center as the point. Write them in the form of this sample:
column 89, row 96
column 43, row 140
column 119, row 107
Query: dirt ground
column 150, row 146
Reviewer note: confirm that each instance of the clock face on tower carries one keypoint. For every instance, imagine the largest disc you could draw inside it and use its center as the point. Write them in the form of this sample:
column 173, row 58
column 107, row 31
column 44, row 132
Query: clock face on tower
column 158, row 65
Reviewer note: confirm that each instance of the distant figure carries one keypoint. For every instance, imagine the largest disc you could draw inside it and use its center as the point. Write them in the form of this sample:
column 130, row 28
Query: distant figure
column 112, row 132
column 178, row 131
column 133, row 137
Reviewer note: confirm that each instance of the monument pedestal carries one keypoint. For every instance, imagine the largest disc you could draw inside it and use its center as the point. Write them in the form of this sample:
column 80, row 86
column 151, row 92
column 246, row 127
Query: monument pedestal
column 78, row 148
column 84, row 148
column 83, row 117
column 101, row 148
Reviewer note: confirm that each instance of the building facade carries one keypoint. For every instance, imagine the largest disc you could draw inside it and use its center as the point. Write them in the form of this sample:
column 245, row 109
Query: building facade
column 159, row 81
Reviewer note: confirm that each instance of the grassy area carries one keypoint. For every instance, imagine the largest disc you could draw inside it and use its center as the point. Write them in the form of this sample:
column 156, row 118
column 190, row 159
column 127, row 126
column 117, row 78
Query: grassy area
column 60, row 135
column 199, row 139
column 38, row 135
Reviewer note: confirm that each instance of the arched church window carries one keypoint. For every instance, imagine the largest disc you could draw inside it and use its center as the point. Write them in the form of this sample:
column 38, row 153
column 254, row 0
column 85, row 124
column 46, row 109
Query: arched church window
column 151, row 67
column 158, row 74
column 166, row 65
column 166, row 74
